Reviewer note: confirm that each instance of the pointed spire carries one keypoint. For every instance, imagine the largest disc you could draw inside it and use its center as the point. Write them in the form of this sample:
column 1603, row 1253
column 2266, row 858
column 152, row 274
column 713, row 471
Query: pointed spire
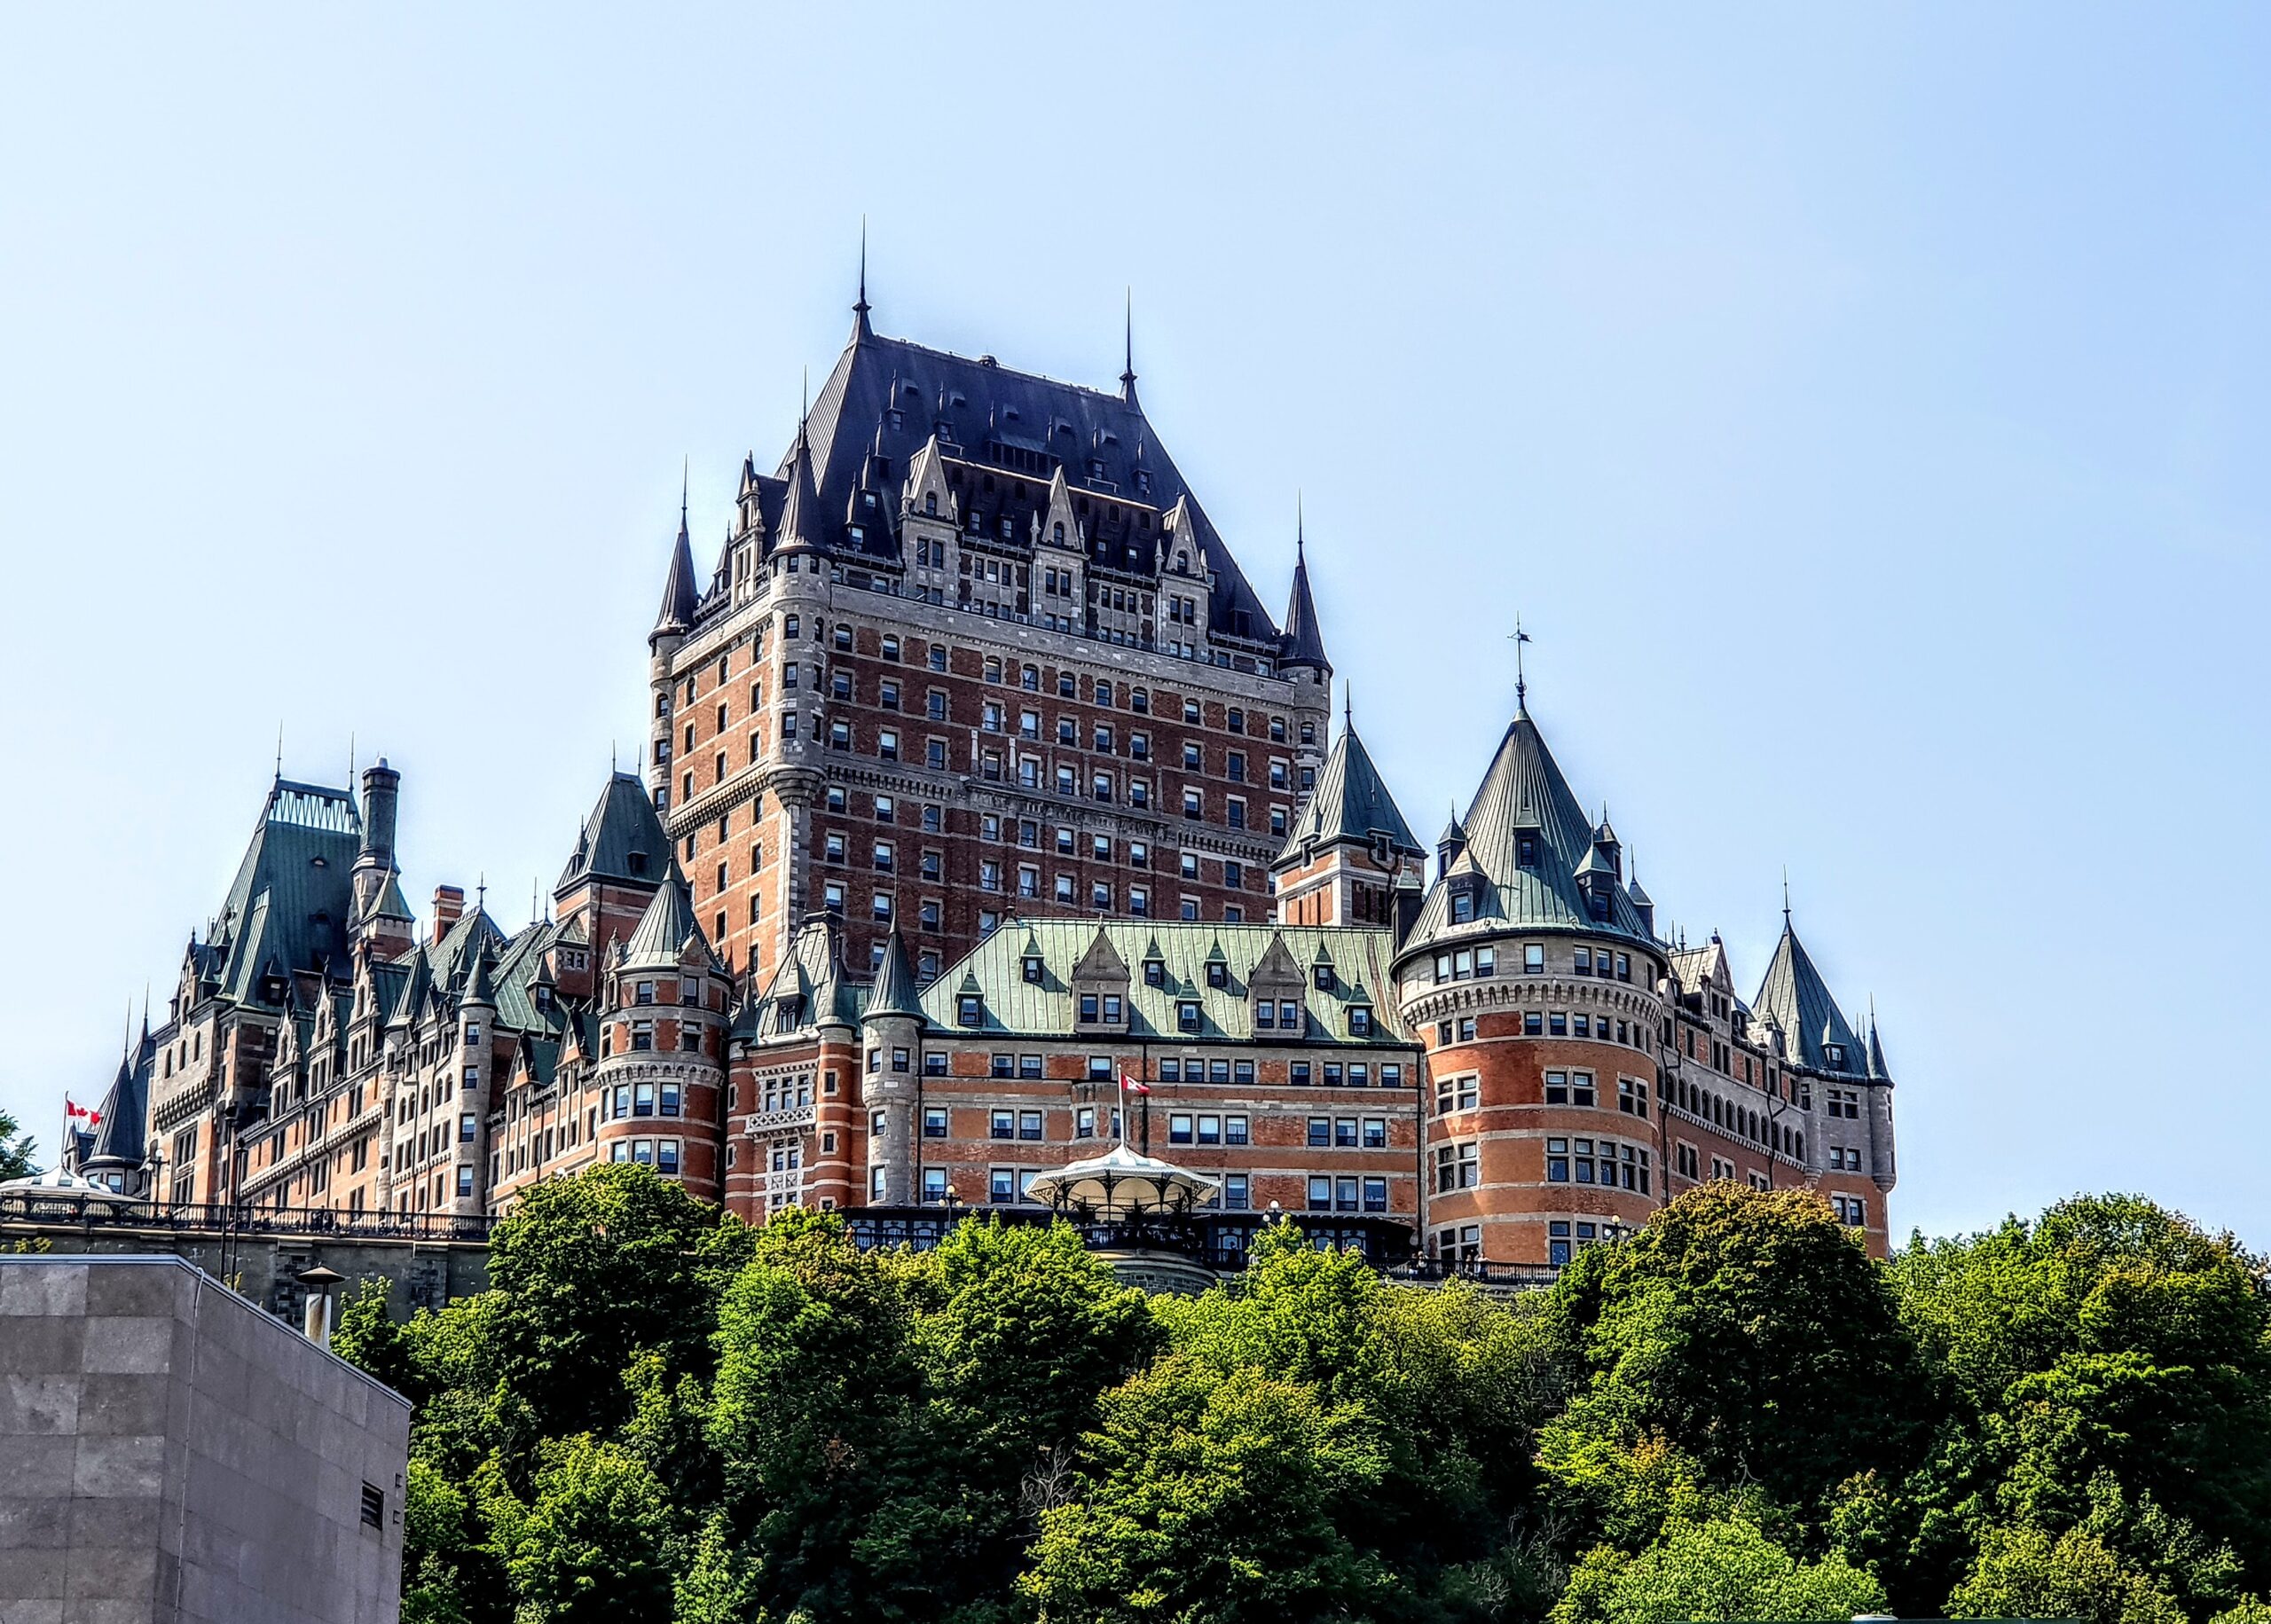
column 1522, row 678
column 800, row 511
column 676, row 616
column 1303, row 643
column 1878, row 1070
column 1128, row 368
column 895, row 989
column 859, row 328
column 479, row 988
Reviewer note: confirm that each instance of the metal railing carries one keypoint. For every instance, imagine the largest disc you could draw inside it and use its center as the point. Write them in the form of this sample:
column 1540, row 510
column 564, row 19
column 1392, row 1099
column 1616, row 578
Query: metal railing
column 1218, row 1240
column 94, row 1213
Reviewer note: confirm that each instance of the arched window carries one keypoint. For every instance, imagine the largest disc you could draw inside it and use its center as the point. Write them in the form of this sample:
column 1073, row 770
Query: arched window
column 930, row 502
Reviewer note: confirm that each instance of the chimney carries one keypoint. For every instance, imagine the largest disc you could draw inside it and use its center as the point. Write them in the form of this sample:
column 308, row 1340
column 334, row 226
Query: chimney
column 381, row 788
column 449, row 907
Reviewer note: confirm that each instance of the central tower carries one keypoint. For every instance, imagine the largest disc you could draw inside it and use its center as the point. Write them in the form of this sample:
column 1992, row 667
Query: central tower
column 973, row 650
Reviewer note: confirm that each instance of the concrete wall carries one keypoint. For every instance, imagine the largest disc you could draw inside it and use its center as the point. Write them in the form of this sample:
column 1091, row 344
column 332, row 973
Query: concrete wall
column 265, row 1268
column 176, row 1455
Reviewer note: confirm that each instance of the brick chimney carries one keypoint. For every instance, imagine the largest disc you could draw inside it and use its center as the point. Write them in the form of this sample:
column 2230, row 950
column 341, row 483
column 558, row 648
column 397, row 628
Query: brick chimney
column 449, row 907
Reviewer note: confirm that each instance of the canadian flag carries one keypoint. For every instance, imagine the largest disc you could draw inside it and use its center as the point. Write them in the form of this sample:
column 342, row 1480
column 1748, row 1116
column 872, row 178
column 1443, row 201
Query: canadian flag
column 74, row 1113
column 1129, row 1085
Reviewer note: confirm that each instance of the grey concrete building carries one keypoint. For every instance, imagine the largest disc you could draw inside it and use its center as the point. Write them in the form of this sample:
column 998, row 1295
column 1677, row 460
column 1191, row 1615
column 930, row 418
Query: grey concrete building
column 176, row 1455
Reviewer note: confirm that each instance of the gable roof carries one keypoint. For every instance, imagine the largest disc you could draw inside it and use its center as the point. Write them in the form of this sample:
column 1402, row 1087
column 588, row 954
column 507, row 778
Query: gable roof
column 1351, row 801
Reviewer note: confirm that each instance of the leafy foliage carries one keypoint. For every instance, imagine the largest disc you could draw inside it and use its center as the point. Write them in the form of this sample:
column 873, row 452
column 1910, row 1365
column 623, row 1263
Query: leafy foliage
column 15, row 1150
column 659, row 1415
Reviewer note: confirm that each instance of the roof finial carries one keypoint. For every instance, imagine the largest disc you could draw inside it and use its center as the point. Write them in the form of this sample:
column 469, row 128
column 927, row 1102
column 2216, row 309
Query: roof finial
column 1786, row 896
column 279, row 749
column 1521, row 682
column 1300, row 526
column 1349, row 706
column 685, row 484
column 1128, row 368
column 861, row 309
column 481, row 891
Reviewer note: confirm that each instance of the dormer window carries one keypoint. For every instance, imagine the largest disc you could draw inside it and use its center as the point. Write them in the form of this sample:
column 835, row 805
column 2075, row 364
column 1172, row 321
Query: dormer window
column 1218, row 975
column 1462, row 904
column 1525, row 849
column 970, row 1009
column 1360, row 1021
column 1057, row 534
column 930, row 504
column 1155, row 973
column 1834, row 1054
column 636, row 862
column 1186, row 1014
column 1324, row 978
column 1032, row 967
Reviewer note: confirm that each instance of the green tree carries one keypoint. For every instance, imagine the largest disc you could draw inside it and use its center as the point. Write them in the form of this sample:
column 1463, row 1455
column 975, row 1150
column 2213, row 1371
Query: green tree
column 595, row 1543
column 2030, row 1574
column 1738, row 1332
column 586, row 1272
column 2108, row 1367
column 15, row 1150
column 1725, row 1569
column 1209, row 1498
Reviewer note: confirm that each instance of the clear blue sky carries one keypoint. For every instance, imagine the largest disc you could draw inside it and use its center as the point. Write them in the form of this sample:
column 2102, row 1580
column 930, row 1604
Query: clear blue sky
column 1864, row 407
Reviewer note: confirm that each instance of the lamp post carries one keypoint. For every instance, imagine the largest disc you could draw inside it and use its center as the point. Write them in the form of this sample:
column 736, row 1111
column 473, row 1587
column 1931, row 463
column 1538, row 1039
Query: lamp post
column 319, row 1282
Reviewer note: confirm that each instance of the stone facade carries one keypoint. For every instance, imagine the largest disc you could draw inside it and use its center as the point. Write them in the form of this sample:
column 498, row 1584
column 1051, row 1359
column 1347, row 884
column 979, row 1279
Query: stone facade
column 177, row 1456
column 974, row 669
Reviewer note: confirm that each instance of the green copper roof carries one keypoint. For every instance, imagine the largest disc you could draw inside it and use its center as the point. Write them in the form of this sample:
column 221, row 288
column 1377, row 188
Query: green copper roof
column 1351, row 801
column 1358, row 957
column 666, row 931
column 1525, row 793
column 1796, row 998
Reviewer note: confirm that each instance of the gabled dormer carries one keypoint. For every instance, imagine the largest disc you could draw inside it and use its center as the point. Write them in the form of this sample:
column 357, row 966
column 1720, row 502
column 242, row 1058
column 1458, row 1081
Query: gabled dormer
column 1276, row 991
column 1100, row 987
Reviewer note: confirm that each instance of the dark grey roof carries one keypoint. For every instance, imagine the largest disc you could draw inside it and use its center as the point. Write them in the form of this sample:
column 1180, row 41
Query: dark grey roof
column 1351, row 801
column 886, row 397
column 622, row 841
column 679, row 596
column 1524, row 791
column 1303, row 642
column 896, row 990
column 119, row 1138
column 1796, row 998
column 1877, row 1067
column 290, row 905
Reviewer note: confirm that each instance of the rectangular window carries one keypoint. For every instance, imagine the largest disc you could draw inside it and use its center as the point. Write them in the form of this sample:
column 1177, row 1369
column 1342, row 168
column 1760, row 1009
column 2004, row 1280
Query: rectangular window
column 1320, row 1193
column 1028, row 1124
column 1179, row 1130
column 1235, row 1130
column 1004, row 1125
column 934, row 1122
column 1238, row 1192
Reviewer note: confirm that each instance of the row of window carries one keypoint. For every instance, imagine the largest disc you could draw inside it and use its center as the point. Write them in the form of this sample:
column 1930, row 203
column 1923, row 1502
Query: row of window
column 663, row 1155
column 628, row 1100
column 1552, row 1024
column 1478, row 963
column 1590, row 1161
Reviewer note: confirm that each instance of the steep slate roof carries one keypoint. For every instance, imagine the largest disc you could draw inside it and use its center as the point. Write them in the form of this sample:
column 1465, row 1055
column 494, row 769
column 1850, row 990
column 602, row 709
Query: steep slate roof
column 1524, row 789
column 1796, row 998
column 666, row 929
column 895, row 991
column 809, row 987
column 119, row 1138
column 885, row 399
column 623, row 826
column 1359, row 956
column 293, row 898
column 1351, row 801
column 1304, row 642
column 676, row 613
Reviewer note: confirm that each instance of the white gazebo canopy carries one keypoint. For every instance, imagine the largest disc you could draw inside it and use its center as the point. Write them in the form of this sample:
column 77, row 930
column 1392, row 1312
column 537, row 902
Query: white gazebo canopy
column 1122, row 1181
column 57, row 1185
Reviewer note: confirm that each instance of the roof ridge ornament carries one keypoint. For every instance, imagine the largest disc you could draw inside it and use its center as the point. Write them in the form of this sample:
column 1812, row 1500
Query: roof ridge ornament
column 1522, row 679
column 859, row 328
column 1128, row 368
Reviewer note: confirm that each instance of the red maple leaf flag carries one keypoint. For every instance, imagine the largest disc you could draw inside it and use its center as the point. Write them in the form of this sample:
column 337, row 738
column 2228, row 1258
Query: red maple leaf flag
column 72, row 1113
column 1129, row 1085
